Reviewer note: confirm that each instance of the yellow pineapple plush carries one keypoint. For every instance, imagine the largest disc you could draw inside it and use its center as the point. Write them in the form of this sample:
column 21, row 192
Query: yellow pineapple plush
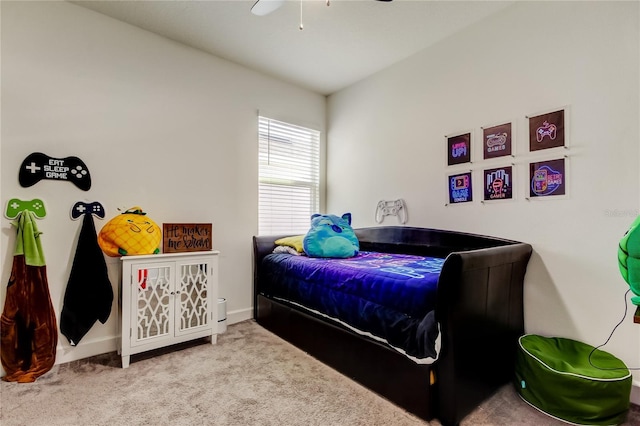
column 130, row 233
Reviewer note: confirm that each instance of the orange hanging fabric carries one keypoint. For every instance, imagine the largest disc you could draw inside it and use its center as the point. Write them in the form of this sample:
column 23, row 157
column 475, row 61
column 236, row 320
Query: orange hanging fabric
column 29, row 329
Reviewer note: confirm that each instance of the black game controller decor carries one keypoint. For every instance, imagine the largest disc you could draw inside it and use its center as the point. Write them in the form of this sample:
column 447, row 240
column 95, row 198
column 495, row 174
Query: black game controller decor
column 392, row 208
column 38, row 166
column 81, row 208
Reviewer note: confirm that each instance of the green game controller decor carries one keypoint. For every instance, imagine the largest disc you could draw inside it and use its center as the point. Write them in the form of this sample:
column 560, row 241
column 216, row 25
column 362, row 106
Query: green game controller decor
column 15, row 206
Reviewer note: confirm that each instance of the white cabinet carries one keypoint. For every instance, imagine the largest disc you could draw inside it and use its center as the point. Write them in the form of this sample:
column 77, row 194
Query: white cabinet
column 167, row 299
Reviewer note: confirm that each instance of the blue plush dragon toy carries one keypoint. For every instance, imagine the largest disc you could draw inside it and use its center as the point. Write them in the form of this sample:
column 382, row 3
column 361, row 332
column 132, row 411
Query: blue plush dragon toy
column 331, row 236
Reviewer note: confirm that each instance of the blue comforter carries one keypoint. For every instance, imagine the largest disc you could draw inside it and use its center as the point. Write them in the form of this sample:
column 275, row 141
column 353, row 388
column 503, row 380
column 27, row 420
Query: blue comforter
column 390, row 297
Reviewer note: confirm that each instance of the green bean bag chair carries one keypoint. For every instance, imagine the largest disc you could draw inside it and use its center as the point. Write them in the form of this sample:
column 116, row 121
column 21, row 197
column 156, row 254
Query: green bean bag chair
column 555, row 375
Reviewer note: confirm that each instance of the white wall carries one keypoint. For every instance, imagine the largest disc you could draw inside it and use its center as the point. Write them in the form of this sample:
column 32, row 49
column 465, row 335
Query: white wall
column 388, row 132
column 159, row 125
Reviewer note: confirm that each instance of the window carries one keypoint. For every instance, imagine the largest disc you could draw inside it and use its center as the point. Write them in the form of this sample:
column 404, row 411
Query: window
column 289, row 177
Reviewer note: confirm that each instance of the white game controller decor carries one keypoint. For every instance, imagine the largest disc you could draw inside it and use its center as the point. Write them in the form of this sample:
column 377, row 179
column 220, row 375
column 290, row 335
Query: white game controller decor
column 392, row 208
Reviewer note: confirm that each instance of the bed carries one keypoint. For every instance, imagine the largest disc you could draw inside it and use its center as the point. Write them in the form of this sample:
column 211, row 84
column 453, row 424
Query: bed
column 428, row 319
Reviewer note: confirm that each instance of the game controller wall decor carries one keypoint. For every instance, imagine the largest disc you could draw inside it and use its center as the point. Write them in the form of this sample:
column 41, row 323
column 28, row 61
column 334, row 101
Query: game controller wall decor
column 38, row 166
column 81, row 208
column 497, row 141
column 547, row 159
column 547, row 130
column 15, row 206
column 396, row 208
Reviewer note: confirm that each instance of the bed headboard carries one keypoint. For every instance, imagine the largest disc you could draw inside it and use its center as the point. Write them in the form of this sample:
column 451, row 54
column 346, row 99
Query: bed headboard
column 423, row 241
column 402, row 239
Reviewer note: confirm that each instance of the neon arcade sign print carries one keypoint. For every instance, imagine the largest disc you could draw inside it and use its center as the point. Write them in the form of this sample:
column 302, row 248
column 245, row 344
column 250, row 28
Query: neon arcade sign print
column 547, row 131
column 459, row 149
column 497, row 141
column 460, row 190
column 547, row 178
column 498, row 183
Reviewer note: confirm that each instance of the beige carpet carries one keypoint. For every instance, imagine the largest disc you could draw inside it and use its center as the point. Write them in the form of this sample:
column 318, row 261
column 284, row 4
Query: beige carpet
column 251, row 377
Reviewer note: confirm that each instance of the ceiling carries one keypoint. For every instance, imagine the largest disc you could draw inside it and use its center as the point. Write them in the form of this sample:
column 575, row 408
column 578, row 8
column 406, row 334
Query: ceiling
column 339, row 45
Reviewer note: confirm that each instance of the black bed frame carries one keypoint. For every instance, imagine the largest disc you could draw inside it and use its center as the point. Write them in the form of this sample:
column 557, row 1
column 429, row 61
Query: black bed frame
column 479, row 308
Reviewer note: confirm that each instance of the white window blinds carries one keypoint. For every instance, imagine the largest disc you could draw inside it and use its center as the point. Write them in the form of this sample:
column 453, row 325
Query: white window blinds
column 289, row 177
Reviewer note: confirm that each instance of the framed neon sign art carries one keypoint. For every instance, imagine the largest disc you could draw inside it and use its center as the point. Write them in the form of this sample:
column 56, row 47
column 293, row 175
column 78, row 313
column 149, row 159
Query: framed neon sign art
column 459, row 149
column 547, row 131
column 459, row 188
column 498, row 184
column 547, row 178
column 497, row 141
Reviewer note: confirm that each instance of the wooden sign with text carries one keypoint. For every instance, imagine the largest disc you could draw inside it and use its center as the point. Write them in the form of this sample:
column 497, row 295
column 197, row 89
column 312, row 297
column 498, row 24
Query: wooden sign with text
column 181, row 237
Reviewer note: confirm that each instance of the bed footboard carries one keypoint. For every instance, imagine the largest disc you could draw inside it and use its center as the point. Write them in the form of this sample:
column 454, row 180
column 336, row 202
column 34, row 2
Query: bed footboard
column 480, row 310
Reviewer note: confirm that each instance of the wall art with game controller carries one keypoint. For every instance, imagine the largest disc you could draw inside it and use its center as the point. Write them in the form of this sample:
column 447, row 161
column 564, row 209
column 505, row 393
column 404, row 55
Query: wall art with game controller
column 15, row 206
column 548, row 130
column 396, row 208
column 543, row 167
column 548, row 165
column 89, row 294
column 38, row 166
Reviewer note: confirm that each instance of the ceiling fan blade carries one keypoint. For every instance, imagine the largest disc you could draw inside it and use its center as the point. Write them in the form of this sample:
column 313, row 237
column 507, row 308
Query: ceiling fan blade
column 264, row 7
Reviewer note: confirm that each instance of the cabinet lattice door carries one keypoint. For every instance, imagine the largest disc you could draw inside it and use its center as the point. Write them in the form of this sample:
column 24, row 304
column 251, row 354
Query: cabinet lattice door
column 153, row 295
column 192, row 290
column 167, row 299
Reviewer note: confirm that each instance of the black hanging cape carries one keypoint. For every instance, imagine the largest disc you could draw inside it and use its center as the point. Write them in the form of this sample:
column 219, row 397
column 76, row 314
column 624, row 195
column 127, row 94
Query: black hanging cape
column 89, row 294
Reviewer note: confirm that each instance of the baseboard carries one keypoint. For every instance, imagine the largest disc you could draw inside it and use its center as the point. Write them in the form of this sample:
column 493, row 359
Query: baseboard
column 109, row 344
column 86, row 349
column 635, row 392
column 239, row 315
